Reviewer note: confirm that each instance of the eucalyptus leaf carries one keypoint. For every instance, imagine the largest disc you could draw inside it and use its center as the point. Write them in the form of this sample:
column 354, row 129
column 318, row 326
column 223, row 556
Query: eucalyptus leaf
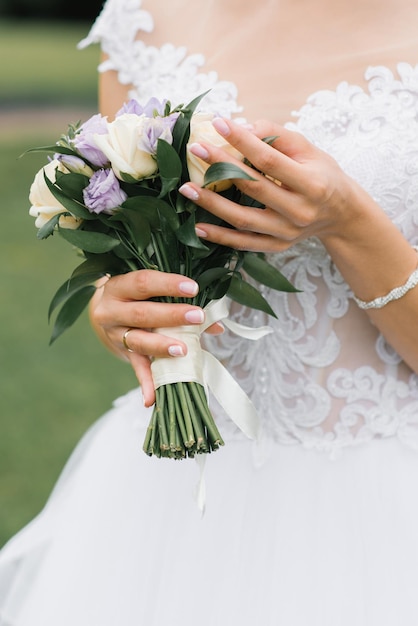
column 89, row 241
column 244, row 293
column 71, row 310
column 224, row 171
column 265, row 273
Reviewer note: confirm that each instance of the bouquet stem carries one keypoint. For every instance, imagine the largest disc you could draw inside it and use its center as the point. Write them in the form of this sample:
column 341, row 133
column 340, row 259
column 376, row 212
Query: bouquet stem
column 181, row 424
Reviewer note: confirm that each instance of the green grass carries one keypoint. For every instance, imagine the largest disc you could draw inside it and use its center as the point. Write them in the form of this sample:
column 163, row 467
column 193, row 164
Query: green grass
column 48, row 395
column 40, row 64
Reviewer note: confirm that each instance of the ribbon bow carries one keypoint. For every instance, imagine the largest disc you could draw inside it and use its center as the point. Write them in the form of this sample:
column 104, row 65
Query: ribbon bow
column 202, row 367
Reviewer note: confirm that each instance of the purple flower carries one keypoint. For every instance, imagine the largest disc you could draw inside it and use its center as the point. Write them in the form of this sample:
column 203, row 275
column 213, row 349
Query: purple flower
column 132, row 106
column 152, row 107
column 157, row 128
column 74, row 164
column 103, row 193
column 84, row 141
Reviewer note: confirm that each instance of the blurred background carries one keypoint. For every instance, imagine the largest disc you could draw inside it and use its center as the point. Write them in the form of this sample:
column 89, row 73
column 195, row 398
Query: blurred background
column 49, row 396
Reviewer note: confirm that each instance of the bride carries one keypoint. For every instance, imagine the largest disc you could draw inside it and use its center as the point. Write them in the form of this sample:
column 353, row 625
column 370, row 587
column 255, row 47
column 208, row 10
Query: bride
column 315, row 524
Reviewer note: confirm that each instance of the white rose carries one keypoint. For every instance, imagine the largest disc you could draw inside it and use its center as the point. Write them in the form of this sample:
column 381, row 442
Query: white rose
column 201, row 130
column 121, row 146
column 44, row 204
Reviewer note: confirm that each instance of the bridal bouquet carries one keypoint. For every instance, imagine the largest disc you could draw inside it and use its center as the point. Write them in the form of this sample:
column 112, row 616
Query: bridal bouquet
column 110, row 189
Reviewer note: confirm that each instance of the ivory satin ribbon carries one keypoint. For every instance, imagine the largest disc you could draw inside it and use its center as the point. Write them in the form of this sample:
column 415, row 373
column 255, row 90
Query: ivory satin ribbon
column 202, row 367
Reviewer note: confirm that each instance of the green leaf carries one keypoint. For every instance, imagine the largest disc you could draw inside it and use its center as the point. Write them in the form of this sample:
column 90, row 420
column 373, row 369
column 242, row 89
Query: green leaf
column 88, row 241
column 99, row 265
column 169, row 165
column 54, row 148
column 127, row 178
column 138, row 228
column 181, row 130
column 224, row 171
column 270, row 139
column 151, row 208
column 74, row 207
column 186, row 234
column 171, row 244
column 72, row 184
column 212, row 275
column 262, row 271
column 70, row 287
column 48, row 229
column 244, row 293
column 71, row 310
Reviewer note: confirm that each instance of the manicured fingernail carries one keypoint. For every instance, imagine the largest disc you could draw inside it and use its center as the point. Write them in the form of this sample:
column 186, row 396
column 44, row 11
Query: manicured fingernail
column 196, row 316
column 189, row 287
column 175, row 351
column 221, row 126
column 199, row 151
column 200, row 232
column 189, row 192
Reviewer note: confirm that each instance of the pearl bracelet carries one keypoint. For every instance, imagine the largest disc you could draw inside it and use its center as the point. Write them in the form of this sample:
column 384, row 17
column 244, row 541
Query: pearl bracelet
column 394, row 294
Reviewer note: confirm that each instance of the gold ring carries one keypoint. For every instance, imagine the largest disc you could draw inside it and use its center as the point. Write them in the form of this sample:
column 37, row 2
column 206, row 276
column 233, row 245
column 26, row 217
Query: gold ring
column 124, row 339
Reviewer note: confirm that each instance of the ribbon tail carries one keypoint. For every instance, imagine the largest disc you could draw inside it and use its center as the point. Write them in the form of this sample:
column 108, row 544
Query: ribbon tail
column 200, row 493
column 230, row 396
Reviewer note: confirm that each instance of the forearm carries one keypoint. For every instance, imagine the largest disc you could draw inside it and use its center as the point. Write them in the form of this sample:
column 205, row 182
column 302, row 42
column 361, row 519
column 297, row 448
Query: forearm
column 374, row 257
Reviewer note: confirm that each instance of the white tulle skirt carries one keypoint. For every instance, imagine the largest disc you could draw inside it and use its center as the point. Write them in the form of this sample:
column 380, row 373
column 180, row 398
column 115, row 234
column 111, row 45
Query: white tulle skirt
column 299, row 540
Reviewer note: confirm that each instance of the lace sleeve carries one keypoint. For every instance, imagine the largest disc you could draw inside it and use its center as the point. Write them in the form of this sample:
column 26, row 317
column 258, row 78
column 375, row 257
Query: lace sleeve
column 166, row 72
column 116, row 29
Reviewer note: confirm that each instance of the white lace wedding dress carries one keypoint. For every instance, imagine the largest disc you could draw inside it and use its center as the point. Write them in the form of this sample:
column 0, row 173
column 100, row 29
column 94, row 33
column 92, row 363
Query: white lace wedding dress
column 316, row 525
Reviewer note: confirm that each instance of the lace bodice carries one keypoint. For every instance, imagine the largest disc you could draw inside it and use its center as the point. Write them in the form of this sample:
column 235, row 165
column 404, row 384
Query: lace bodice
column 326, row 378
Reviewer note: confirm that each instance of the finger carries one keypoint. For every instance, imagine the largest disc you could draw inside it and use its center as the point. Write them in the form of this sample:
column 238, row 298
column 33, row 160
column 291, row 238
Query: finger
column 147, row 343
column 278, row 221
column 145, row 284
column 142, row 368
column 216, row 329
column 145, row 314
column 276, row 160
column 239, row 240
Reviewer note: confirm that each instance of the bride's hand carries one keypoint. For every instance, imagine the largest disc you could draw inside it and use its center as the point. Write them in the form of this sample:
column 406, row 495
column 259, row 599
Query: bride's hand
column 123, row 302
column 304, row 191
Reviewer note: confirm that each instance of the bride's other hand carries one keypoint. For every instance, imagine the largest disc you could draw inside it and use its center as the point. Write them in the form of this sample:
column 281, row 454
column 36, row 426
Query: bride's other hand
column 307, row 194
column 304, row 191
column 123, row 303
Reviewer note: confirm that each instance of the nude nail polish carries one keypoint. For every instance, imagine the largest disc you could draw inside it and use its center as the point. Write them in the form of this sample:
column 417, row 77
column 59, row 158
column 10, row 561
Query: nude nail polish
column 189, row 287
column 196, row 316
column 221, row 126
column 175, row 351
column 199, row 151
column 189, row 192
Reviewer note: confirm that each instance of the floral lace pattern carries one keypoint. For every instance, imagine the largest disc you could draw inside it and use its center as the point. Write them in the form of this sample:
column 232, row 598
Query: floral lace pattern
column 165, row 72
column 309, row 380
